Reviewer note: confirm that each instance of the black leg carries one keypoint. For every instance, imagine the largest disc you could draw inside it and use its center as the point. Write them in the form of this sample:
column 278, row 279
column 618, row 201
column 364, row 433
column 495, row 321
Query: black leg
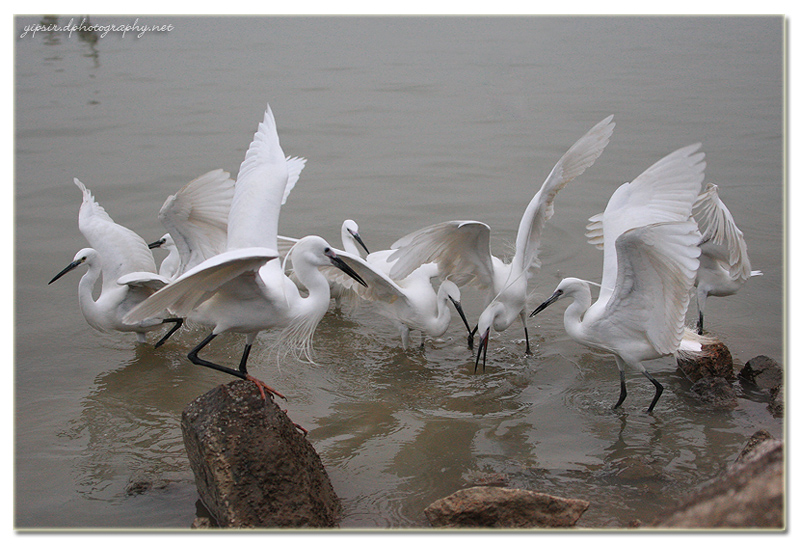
column 527, row 342
column 193, row 357
column 700, row 323
column 178, row 322
column 623, row 391
column 243, row 362
column 659, row 390
column 525, row 327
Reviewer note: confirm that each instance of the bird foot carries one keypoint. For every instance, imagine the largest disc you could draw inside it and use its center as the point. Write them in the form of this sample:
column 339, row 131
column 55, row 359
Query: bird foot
column 262, row 388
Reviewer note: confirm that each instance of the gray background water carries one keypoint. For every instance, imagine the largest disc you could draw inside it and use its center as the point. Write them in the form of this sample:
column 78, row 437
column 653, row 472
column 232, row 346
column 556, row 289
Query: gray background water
column 405, row 122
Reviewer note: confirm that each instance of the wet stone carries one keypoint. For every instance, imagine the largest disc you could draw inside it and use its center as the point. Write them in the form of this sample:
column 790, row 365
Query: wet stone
column 716, row 392
column 715, row 361
column 499, row 507
column 252, row 466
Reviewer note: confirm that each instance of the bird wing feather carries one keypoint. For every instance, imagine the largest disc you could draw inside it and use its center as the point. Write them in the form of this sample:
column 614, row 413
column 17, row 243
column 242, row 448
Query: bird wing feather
column 197, row 217
column 664, row 192
column 657, row 267
column 189, row 290
column 720, row 232
column 260, row 189
column 572, row 164
column 121, row 250
column 460, row 248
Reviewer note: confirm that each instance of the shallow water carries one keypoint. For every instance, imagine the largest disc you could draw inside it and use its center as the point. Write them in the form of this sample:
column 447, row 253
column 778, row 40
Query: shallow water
column 405, row 122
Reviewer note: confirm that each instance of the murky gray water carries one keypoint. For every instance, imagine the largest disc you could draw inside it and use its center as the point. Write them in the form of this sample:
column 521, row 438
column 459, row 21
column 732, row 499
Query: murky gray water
column 405, row 122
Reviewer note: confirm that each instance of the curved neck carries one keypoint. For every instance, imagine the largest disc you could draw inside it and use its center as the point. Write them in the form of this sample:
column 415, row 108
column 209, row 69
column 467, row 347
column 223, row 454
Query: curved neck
column 87, row 303
column 438, row 324
column 573, row 315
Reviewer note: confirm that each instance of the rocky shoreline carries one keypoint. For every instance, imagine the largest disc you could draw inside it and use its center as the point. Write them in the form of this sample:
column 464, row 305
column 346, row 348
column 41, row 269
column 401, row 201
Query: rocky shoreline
column 254, row 468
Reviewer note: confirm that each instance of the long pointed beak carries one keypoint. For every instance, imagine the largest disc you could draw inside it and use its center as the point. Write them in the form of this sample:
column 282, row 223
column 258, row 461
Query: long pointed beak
column 357, row 238
column 483, row 346
column 460, row 311
column 69, row 267
column 554, row 297
column 157, row 243
column 344, row 267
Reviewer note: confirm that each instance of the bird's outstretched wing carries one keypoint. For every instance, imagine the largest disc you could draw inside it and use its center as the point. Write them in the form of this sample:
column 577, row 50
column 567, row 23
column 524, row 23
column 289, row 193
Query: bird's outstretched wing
column 121, row 250
column 197, row 217
column 460, row 248
column 657, row 266
column 380, row 287
column 189, row 290
column 721, row 236
column 261, row 189
column 665, row 192
column 572, row 164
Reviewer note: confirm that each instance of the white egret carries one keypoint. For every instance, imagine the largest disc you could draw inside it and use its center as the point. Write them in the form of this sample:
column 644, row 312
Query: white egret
column 350, row 237
column 128, row 270
column 244, row 289
column 650, row 260
column 462, row 248
column 411, row 303
column 724, row 263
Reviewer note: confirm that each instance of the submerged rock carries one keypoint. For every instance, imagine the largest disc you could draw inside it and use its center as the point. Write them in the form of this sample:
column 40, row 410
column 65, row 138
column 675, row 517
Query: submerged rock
column 766, row 374
column 749, row 495
column 716, row 392
column 499, row 507
column 761, row 372
column 252, row 466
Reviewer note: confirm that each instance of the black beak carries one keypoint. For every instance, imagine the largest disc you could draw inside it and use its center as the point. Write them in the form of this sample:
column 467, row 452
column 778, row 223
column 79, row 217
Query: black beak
column 463, row 318
column 555, row 296
column 344, row 267
column 157, row 243
column 358, row 239
column 69, row 267
column 483, row 346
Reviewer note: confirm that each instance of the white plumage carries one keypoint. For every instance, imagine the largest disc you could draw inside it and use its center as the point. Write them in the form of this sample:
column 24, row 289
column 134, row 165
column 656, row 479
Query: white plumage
column 650, row 262
column 128, row 270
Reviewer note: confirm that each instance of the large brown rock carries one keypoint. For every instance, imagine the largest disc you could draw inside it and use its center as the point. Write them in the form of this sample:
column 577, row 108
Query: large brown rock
column 252, row 466
column 714, row 362
column 504, row 508
column 749, row 495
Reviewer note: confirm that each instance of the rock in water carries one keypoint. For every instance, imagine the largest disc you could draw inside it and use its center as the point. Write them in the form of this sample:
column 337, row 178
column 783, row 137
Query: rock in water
column 252, row 466
column 504, row 508
column 716, row 361
column 750, row 495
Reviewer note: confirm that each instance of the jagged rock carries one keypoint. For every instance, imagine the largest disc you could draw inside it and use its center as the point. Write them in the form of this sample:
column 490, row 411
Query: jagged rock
column 749, row 495
column 762, row 372
column 716, row 392
column 500, row 507
column 766, row 374
column 715, row 361
column 753, row 442
column 775, row 405
column 252, row 466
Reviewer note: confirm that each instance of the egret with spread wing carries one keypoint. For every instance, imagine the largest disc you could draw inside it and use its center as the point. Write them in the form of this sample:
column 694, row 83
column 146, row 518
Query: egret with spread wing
column 650, row 260
column 244, row 289
column 462, row 248
column 128, row 270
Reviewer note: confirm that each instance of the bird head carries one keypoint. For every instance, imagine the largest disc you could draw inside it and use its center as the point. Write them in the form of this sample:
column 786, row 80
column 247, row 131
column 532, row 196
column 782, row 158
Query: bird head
column 84, row 256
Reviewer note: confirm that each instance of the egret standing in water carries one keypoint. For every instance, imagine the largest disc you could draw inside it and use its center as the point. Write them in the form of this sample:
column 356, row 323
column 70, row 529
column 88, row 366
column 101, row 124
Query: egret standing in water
column 650, row 261
column 724, row 263
column 244, row 289
column 128, row 270
column 462, row 248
